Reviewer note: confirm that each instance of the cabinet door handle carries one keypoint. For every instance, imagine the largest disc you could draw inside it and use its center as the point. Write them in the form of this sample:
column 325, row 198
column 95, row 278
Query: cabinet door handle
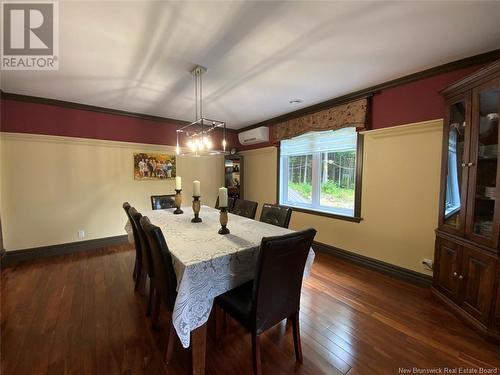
column 460, row 277
column 470, row 164
column 464, row 165
column 455, row 274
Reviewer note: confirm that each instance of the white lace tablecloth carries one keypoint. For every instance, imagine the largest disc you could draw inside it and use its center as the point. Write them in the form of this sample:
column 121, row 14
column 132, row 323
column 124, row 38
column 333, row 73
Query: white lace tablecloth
column 208, row 264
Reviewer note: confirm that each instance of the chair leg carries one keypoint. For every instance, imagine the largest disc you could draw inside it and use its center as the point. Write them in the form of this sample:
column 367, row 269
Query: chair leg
column 170, row 340
column 156, row 310
column 257, row 370
column 296, row 337
column 150, row 301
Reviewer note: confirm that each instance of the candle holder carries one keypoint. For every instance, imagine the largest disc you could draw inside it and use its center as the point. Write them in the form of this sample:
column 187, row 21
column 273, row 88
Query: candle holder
column 196, row 209
column 223, row 221
column 178, row 202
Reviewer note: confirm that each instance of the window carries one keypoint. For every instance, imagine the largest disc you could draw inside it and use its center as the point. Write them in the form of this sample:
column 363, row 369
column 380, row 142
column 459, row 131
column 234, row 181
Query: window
column 452, row 204
column 318, row 172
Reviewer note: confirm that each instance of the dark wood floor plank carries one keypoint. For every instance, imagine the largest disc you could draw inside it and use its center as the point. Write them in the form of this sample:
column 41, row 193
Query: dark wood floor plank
column 78, row 314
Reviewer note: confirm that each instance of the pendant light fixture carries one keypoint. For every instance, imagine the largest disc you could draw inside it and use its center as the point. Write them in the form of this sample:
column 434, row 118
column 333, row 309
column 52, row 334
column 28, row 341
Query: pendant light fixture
column 197, row 134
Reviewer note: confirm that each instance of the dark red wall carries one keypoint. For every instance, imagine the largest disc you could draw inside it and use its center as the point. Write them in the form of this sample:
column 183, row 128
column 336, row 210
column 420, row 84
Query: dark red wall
column 408, row 103
column 34, row 118
column 415, row 101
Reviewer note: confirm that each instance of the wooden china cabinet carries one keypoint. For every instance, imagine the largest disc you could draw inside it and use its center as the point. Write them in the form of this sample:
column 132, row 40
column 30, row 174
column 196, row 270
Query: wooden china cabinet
column 466, row 265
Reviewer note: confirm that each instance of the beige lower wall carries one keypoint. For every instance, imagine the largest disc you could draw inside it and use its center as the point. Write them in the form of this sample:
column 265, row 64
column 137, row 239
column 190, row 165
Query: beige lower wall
column 259, row 177
column 51, row 187
column 401, row 172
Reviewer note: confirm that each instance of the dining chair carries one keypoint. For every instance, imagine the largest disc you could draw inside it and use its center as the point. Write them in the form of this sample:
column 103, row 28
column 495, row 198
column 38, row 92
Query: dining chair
column 230, row 203
column 138, row 264
column 146, row 268
column 140, row 254
column 276, row 215
column 164, row 281
column 160, row 202
column 274, row 294
column 245, row 208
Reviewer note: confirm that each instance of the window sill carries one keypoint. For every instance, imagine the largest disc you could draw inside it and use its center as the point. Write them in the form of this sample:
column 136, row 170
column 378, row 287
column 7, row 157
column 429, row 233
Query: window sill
column 354, row 219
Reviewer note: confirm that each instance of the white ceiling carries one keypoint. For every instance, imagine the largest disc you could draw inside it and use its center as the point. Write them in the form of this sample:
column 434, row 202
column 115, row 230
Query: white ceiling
column 136, row 56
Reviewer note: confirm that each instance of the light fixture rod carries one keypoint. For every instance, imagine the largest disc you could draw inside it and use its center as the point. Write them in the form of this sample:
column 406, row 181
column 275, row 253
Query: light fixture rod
column 196, row 97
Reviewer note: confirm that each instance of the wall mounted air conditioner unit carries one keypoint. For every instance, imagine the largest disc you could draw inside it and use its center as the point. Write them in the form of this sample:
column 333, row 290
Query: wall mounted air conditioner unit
column 253, row 136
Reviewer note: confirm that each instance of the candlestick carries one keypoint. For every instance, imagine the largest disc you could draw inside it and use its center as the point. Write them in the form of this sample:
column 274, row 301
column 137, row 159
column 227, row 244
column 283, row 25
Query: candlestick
column 223, row 220
column 178, row 201
column 178, row 183
column 196, row 188
column 196, row 209
column 223, row 197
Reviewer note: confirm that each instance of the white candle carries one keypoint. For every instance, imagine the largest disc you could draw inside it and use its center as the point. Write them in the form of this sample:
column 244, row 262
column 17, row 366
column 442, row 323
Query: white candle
column 178, row 183
column 222, row 197
column 196, row 188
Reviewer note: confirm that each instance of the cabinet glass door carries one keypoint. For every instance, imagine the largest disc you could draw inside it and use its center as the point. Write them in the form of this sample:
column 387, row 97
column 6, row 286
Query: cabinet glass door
column 484, row 165
column 456, row 151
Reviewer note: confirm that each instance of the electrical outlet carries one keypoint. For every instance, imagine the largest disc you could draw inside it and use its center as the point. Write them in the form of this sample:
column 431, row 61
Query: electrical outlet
column 428, row 263
column 81, row 234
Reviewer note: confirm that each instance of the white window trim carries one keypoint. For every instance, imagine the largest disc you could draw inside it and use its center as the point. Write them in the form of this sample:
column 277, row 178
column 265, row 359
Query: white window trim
column 316, row 186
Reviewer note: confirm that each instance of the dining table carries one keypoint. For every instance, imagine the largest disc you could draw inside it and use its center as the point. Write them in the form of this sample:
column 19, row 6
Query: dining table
column 208, row 264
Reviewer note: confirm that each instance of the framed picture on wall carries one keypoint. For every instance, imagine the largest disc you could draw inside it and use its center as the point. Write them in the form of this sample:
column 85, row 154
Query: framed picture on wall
column 148, row 166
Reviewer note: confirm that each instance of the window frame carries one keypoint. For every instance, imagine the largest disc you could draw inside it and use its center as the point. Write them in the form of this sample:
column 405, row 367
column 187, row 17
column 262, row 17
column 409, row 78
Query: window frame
column 314, row 211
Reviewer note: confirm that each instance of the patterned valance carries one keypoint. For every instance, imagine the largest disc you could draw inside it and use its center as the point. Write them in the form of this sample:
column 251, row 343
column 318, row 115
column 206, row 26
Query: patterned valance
column 338, row 117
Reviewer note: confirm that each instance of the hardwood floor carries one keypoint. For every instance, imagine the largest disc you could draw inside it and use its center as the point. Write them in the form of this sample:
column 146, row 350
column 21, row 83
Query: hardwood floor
column 78, row 314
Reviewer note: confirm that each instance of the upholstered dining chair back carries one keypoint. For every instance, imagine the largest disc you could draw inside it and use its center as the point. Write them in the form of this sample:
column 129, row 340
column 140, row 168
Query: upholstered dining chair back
column 137, row 242
column 230, row 204
column 278, row 280
column 126, row 207
column 245, row 208
column 160, row 202
column 276, row 215
column 165, row 280
column 145, row 249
